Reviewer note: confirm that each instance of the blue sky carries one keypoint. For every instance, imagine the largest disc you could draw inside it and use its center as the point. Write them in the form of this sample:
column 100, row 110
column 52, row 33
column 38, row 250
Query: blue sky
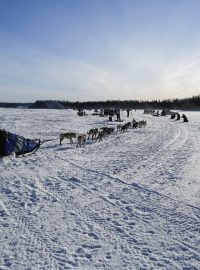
column 99, row 49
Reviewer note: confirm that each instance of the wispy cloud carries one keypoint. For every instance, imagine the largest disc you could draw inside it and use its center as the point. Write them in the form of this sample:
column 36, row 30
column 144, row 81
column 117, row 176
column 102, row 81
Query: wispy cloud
column 45, row 76
column 42, row 76
column 116, row 50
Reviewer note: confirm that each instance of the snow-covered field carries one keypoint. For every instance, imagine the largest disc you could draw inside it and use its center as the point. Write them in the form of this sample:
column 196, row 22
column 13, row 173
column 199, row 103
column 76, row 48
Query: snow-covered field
column 131, row 201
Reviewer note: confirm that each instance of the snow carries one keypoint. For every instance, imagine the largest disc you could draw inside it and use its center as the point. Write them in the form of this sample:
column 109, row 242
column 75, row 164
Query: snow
column 131, row 201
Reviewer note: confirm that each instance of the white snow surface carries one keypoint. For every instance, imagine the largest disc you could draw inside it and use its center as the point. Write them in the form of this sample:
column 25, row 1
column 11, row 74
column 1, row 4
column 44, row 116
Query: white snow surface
column 131, row 201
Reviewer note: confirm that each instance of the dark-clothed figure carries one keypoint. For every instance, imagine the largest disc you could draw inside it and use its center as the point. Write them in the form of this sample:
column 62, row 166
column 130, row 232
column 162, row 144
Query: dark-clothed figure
column 184, row 118
column 173, row 116
column 128, row 112
column 163, row 113
column 178, row 117
column 117, row 111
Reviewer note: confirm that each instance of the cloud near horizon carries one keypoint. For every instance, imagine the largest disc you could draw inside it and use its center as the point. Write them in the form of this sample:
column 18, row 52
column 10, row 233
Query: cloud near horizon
column 42, row 76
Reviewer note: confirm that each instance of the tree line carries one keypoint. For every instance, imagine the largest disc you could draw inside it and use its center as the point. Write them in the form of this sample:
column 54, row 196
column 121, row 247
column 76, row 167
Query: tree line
column 191, row 103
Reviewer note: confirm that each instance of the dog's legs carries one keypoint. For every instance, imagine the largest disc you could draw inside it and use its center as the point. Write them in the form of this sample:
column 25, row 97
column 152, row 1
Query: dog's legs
column 61, row 139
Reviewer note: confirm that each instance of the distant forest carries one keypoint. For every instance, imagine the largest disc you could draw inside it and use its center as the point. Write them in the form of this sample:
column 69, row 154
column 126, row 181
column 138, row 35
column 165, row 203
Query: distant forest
column 192, row 103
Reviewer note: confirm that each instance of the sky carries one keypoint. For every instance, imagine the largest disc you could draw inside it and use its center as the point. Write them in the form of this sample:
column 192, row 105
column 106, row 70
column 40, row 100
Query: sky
column 88, row 50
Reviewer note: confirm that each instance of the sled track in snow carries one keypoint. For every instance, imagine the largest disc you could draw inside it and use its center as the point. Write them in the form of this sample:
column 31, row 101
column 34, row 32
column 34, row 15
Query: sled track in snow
column 102, row 208
column 112, row 225
column 39, row 248
column 148, row 224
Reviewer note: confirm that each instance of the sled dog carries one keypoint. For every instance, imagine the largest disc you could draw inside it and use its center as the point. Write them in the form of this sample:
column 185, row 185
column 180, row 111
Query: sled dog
column 68, row 135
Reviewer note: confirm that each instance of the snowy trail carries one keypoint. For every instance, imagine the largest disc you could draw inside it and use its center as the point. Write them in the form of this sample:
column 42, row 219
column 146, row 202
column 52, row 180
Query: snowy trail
column 128, row 202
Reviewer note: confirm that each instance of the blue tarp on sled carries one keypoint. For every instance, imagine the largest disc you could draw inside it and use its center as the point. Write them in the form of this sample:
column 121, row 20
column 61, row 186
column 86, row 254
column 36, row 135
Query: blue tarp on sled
column 12, row 143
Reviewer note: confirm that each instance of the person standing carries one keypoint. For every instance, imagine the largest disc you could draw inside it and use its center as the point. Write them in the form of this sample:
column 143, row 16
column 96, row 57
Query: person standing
column 128, row 112
column 118, row 114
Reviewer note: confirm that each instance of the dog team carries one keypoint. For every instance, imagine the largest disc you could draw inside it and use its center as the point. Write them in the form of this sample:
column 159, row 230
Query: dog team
column 96, row 134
